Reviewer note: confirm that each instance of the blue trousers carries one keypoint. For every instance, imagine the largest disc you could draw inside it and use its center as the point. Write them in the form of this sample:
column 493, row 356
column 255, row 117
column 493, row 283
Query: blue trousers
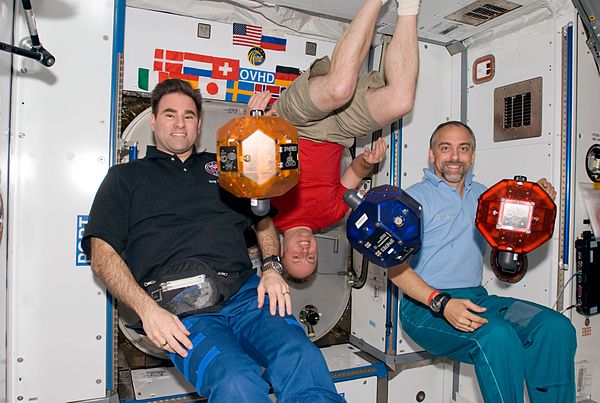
column 231, row 347
column 522, row 342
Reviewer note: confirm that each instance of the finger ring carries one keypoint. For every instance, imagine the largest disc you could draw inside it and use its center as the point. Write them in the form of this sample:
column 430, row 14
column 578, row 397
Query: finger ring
column 286, row 292
column 470, row 322
column 165, row 343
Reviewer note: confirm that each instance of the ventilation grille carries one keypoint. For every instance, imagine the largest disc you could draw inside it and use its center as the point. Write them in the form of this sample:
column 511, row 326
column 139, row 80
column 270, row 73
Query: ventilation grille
column 517, row 110
column 487, row 12
column 482, row 11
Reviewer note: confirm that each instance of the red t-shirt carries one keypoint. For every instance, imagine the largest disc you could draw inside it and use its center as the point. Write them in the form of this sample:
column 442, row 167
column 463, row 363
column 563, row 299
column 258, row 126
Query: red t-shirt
column 317, row 201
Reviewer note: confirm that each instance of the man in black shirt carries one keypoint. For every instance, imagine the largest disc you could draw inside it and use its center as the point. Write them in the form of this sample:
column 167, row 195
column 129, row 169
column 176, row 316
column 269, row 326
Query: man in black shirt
column 165, row 218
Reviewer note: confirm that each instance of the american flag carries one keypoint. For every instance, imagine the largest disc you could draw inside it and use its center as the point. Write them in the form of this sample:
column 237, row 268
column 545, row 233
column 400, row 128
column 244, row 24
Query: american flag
column 246, row 35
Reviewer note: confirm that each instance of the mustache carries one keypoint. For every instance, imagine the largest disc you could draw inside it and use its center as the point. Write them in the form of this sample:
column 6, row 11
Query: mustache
column 454, row 162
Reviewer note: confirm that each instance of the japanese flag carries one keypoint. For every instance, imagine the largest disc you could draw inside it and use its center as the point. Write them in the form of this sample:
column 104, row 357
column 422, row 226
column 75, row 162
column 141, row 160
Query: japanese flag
column 212, row 88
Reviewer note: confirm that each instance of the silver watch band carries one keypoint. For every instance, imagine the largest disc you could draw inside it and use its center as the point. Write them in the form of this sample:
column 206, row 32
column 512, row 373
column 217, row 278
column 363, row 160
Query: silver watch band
column 272, row 263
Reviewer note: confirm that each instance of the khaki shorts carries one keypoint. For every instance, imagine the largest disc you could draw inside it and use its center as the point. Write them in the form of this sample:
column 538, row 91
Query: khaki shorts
column 341, row 126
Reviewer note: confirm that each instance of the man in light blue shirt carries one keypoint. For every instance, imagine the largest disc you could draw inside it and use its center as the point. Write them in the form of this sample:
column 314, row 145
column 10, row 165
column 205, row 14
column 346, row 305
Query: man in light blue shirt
column 447, row 311
column 446, row 212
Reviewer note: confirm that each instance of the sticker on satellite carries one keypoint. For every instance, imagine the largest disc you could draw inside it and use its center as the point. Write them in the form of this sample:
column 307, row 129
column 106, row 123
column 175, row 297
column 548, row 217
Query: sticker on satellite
column 228, row 158
column 288, row 155
column 81, row 259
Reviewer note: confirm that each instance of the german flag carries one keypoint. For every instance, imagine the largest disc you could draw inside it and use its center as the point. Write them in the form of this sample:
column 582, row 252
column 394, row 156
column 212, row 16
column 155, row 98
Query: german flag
column 285, row 75
column 193, row 80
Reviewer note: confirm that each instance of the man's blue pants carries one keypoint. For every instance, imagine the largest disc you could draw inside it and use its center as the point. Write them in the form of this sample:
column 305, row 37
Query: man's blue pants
column 232, row 346
column 522, row 342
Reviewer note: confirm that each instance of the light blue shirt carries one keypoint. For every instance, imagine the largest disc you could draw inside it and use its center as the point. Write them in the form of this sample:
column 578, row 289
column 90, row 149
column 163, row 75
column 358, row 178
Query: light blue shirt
column 452, row 249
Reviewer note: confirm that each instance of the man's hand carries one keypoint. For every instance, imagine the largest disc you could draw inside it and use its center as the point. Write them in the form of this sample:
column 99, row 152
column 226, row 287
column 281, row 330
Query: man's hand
column 275, row 286
column 166, row 331
column 377, row 154
column 548, row 188
column 259, row 101
column 363, row 164
column 458, row 313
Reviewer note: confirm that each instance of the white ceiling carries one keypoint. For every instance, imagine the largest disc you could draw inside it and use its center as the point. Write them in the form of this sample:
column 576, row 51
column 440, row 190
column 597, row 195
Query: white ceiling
column 431, row 21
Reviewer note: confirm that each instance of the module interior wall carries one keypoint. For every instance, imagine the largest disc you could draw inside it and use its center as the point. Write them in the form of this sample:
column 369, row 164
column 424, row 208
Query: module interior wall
column 517, row 60
column 6, row 20
column 57, row 328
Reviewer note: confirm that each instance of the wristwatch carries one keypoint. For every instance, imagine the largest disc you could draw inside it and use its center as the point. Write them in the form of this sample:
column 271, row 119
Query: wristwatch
column 272, row 263
column 438, row 303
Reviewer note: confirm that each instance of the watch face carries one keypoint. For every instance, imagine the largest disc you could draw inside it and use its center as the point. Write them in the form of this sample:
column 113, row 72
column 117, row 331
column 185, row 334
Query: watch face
column 435, row 305
column 269, row 259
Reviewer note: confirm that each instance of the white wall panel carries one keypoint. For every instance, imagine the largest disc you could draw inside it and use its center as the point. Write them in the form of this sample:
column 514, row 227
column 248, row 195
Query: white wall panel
column 6, row 21
column 435, row 102
column 179, row 33
column 369, row 307
column 429, row 383
column 517, row 60
column 60, row 153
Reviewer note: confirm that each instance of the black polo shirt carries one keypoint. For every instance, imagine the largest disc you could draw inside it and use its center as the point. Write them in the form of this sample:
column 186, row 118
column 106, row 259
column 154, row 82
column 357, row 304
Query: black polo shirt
column 159, row 210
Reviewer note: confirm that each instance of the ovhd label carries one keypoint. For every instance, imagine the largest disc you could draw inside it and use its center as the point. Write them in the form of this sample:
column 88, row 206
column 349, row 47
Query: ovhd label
column 257, row 76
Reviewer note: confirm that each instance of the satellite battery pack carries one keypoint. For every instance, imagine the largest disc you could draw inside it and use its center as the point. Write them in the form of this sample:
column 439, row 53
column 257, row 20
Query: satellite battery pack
column 588, row 274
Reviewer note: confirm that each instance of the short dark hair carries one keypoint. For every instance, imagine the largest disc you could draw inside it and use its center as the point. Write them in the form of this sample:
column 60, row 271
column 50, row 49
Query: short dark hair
column 452, row 123
column 172, row 86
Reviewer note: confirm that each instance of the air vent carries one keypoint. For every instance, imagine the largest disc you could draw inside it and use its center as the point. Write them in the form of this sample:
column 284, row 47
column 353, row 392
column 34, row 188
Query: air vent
column 518, row 110
column 482, row 11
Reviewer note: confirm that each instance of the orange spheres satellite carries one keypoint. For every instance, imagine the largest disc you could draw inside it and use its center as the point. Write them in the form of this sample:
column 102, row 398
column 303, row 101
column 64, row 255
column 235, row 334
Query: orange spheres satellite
column 258, row 158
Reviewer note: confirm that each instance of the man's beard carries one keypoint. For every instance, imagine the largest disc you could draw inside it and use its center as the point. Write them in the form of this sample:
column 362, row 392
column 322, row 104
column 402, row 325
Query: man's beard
column 454, row 177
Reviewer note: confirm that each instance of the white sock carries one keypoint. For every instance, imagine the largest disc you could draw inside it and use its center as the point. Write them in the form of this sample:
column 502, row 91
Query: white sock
column 408, row 7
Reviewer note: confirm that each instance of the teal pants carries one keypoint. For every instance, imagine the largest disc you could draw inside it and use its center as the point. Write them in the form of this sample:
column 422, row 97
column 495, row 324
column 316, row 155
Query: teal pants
column 522, row 342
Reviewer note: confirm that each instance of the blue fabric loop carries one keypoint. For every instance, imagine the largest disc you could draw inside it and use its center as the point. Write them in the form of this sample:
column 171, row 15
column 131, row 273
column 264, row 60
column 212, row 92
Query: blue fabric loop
column 212, row 353
column 186, row 361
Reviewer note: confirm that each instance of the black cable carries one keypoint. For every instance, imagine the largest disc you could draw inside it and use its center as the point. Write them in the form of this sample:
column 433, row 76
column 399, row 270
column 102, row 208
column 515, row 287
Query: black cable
column 569, row 308
column 564, row 288
column 359, row 281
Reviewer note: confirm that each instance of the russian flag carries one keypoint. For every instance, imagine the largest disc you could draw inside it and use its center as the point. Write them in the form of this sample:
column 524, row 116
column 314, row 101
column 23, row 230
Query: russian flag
column 273, row 43
column 197, row 65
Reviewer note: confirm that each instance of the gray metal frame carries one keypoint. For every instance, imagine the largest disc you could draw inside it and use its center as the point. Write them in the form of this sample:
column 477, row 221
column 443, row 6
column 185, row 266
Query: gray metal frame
column 534, row 129
column 589, row 11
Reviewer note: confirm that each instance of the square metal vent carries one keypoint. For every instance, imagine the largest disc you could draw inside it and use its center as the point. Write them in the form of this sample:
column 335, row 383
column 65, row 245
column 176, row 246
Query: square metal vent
column 311, row 49
column 482, row 11
column 518, row 110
